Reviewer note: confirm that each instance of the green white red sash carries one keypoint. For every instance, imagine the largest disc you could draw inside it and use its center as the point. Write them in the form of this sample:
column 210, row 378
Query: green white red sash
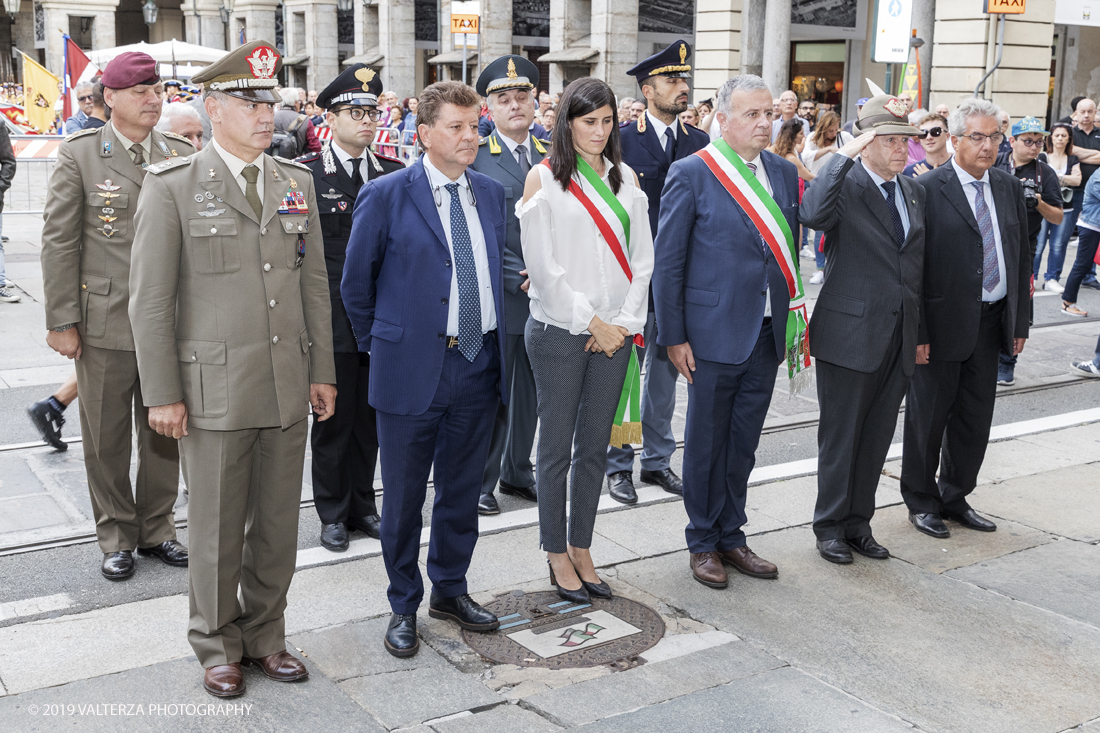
column 757, row 203
column 613, row 222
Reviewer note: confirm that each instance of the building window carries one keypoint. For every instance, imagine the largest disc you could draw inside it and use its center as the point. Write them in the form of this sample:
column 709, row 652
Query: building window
column 80, row 30
column 298, row 33
column 39, row 26
column 426, row 20
column 345, row 26
column 666, row 16
column 280, row 34
column 531, row 18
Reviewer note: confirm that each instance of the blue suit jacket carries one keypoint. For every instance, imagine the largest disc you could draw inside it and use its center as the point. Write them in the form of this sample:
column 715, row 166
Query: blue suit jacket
column 397, row 279
column 710, row 263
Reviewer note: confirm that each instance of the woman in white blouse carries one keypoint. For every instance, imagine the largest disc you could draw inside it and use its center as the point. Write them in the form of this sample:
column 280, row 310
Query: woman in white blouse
column 585, row 311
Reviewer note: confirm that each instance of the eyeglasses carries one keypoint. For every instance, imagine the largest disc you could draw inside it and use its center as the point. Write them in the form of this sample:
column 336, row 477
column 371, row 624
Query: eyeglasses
column 85, row 99
column 935, row 131
column 978, row 138
column 358, row 113
column 1031, row 143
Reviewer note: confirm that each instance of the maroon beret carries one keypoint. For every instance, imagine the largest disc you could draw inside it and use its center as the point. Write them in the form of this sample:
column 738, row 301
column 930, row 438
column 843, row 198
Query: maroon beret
column 130, row 69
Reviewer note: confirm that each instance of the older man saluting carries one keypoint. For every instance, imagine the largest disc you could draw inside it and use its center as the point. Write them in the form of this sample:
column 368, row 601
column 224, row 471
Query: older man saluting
column 725, row 267
column 423, row 286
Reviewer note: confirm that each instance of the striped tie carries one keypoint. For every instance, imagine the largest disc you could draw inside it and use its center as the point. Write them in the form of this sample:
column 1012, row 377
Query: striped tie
column 991, row 276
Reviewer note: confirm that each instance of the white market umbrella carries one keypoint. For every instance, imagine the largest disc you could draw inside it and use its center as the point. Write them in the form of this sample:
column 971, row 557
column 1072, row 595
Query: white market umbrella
column 166, row 52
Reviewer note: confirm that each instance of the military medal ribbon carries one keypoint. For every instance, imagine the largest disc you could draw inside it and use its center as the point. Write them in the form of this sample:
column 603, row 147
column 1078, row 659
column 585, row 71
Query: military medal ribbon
column 753, row 198
column 613, row 222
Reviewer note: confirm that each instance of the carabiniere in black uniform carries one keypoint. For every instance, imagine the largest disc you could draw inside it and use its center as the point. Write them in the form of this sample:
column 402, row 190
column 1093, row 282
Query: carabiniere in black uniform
column 345, row 447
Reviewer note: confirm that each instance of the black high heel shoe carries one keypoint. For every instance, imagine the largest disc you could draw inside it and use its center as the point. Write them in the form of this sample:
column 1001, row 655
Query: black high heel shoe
column 596, row 590
column 580, row 595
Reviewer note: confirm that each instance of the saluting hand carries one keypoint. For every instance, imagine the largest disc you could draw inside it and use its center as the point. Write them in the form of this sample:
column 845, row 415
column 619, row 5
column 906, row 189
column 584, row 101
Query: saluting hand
column 857, row 145
column 323, row 399
column 169, row 420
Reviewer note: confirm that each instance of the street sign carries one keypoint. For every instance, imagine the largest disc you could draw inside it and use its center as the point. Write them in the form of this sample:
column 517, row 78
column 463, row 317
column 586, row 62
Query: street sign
column 1006, row 7
column 464, row 24
column 893, row 29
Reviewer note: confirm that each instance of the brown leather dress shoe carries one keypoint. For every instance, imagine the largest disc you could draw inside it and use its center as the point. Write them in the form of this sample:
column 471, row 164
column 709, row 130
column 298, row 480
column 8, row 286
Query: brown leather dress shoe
column 225, row 680
column 747, row 562
column 706, row 567
column 280, row 666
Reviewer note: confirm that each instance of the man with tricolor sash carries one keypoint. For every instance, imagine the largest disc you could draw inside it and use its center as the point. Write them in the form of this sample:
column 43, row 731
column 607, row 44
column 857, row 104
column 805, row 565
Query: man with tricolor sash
column 864, row 330
column 731, row 308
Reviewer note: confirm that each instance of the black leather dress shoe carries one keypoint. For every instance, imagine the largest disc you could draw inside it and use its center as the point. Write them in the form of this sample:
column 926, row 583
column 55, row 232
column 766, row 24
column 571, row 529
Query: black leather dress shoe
column 621, row 487
column 930, row 524
column 487, row 505
column 463, row 611
column 334, row 537
column 170, row 552
column 666, row 478
column 971, row 520
column 401, row 639
column 867, row 547
column 370, row 525
column 523, row 492
column 835, row 551
column 117, row 565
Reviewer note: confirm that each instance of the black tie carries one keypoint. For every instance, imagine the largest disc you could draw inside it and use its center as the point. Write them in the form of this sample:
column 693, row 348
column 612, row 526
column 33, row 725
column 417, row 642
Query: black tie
column 899, row 230
column 356, row 176
column 522, row 159
column 670, row 144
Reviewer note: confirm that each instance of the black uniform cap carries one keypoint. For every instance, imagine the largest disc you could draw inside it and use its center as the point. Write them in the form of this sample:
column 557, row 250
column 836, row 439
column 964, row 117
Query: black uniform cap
column 671, row 61
column 508, row 72
column 358, row 86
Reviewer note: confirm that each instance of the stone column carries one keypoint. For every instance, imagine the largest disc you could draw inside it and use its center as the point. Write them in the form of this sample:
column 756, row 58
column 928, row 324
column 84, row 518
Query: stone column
column 202, row 23
column 57, row 14
column 752, row 36
column 496, row 32
column 259, row 20
column 615, row 36
column 777, row 46
column 318, row 42
column 718, row 54
column 570, row 21
column 924, row 21
column 397, row 42
column 366, row 26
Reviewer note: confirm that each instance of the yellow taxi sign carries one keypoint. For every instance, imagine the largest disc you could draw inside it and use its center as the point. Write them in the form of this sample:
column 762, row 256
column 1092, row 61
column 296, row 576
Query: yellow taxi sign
column 461, row 23
column 1006, row 7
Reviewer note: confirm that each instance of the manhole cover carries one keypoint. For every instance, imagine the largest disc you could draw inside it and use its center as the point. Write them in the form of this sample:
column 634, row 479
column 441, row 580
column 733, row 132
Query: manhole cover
column 542, row 630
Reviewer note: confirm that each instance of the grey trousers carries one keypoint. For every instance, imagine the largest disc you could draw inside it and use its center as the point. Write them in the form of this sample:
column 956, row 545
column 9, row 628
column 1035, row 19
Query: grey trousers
column 578, row 392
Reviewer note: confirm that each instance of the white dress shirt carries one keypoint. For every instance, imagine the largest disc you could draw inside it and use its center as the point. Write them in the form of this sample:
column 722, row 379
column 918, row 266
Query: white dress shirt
column 660, row 127
column 236, row 165
column 1001, row 289
column 574, row 274
column 899, row 197
column 345, row 159
column 762, row 176
column 437, row 181
column 512, row 145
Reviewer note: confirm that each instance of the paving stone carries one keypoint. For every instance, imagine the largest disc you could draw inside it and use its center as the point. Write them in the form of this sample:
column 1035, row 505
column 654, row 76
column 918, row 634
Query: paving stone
column 791, row 502
column 266, row 705
column 1009, row 459
column 403, row 699
column 964, row 547
column 1063, row 577
column 355, row 650
column 336, row 594
column 1064, row 502
column 898, row 636
column 779, row 700
column 651, row 683
column 1083, row 440
column 31, row 512
column 16, row 478
column 509, row 718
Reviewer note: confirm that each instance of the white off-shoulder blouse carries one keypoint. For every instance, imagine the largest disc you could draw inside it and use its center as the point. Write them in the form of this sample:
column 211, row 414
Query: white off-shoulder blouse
column 574, row 274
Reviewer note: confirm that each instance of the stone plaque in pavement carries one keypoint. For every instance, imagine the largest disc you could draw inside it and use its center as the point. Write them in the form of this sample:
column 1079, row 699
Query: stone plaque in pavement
column 542, row 630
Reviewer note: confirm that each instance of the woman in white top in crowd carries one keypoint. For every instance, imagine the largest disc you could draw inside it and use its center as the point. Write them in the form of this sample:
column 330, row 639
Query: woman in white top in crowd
column 585, row 311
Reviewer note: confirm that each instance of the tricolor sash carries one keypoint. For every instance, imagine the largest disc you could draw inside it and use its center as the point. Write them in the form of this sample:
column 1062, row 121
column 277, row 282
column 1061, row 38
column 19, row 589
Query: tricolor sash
column 757, row 203
column 613, row 222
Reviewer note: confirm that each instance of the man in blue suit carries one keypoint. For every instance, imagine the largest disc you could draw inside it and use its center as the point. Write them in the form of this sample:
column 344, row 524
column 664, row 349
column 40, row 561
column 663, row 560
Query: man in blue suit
column 650, row 146
column 717, row 286
column 423, row 286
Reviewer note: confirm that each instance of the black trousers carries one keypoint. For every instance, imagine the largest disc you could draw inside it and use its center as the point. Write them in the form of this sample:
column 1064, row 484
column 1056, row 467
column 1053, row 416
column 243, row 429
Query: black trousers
column 948, row 413
column 859, row 412
column 345, row 447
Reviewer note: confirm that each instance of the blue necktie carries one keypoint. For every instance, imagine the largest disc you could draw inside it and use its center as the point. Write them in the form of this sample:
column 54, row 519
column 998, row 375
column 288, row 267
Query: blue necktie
column 469, row 299
column 899, row 230
column 991, row 276
column 670, row 144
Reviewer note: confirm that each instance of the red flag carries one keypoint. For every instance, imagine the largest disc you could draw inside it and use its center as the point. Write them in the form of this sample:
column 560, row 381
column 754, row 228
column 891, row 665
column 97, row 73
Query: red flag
column 78, row 68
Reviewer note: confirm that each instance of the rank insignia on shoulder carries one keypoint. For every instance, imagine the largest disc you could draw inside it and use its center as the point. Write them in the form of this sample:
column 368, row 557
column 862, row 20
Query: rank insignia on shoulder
column 164, row 165
column 494, row 145
column 540, row 145
column 81, row 133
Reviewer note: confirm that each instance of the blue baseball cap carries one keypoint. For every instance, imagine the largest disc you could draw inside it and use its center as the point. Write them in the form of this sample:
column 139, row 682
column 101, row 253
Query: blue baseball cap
column 1028, row 124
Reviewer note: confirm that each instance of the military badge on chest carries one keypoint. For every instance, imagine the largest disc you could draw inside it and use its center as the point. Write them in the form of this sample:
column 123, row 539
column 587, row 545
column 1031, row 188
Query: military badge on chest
column 294, row 204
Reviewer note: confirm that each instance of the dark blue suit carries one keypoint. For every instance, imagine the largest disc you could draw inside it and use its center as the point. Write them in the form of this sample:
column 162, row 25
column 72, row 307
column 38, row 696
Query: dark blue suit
column 710, row 281
column 645, row 154
column 432, row 404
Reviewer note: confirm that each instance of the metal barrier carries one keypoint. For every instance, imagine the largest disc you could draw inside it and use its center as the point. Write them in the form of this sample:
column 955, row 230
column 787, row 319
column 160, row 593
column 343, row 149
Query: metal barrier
column 35, row 158
column 397, row 144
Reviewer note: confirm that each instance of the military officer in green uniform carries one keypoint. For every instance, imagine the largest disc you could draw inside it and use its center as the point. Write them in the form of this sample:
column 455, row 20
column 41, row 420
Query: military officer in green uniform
column 345, row 448
column 506, row 155
column 87, row 234
column 234, row 335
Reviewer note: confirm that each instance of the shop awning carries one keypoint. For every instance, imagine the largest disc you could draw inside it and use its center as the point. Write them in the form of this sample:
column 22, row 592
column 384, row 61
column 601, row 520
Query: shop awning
column 573, row 55
column 370, row 57
column 295, row 60
column 454, row 57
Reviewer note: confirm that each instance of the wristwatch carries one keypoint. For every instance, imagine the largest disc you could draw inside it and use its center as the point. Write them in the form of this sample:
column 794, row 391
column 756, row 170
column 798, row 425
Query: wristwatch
column 66, row 327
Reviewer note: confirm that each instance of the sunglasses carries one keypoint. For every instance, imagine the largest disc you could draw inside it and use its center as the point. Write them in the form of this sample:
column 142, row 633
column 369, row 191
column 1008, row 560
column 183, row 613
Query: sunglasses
column 935, row 132
column 85, row 99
